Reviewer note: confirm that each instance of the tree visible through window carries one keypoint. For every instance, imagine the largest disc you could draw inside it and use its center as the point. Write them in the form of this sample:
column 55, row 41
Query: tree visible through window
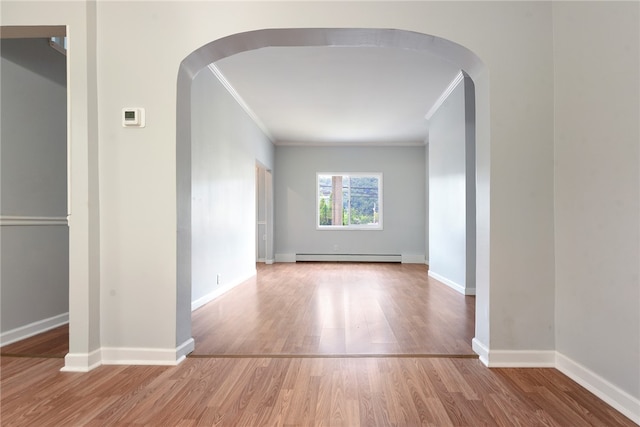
column 349, row 201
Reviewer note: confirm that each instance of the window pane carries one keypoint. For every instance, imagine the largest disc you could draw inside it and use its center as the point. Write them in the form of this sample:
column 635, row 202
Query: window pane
column 349, row 201
column 364, row 200
column 325, row 199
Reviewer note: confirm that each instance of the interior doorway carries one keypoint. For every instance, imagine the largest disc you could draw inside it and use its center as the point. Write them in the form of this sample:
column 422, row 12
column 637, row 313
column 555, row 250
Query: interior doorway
column 34, row 232
column 264, row 215
column 465, row 59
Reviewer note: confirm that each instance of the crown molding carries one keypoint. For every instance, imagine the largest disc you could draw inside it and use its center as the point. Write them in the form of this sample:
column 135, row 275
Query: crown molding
column 216, row 72
column 454, row 83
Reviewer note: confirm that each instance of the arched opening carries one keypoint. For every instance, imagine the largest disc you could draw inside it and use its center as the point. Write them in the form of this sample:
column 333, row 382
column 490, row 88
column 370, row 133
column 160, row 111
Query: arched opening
column 466, row 60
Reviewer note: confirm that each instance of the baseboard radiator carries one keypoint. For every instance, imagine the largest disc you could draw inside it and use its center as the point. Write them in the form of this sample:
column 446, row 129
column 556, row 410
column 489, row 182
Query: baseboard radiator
column 349, row 257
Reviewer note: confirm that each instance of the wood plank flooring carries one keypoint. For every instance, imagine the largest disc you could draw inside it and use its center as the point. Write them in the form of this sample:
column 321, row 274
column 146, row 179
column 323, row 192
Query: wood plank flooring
column 350, row 363
column 391, row 391
column 337, row 309
column 53, row 343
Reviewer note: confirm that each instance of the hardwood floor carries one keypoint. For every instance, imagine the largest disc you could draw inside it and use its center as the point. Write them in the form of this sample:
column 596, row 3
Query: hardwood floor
column 54, row 343
column 389, row 391
column 332, row 346
column 337, row 309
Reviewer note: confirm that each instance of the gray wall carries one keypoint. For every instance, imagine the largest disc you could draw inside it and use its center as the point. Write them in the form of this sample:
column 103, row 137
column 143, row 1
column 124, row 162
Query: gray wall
column 448, row 191
column 226, row 145
column 403, row 171
column 597, row 180
column 35, row 258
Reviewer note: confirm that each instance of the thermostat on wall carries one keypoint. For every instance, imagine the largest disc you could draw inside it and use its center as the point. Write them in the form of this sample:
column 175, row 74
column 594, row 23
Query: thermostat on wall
column 133, row 117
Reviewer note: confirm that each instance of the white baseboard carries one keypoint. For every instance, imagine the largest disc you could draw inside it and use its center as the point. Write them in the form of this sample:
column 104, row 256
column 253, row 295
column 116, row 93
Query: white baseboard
column 521, row 359
column 141, row 356
column 82, row 362
column 481, row 350
column 285, row 257
column 221, row 290
column 453, row 285
column 622, row 401
column 184, row 349
column 514, row 358
column 269, row 261
column 413, row 259
column 32, row 329
column 349, row 257
column 260, row 260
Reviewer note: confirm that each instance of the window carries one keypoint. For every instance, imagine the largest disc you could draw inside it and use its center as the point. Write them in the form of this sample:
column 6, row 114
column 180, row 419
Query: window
column 349, row 201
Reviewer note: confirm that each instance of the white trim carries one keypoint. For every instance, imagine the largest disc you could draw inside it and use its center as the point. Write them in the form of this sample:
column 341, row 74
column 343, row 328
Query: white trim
column 216, row 72
column 261, row 260
column 349, row 257
column 269, row 261
column 513, row 358
column 349, row 227
column 351, row 143
column 453, row 285
column 413, row 258
column 481, row 350
column 521, row 359
column 33, row 220
column 32, row 329
column 82, row 362
column 140, row 356
column 285, row 257
column 184, row 349
column 221, row 290
column 619, row 399
column 455, row 82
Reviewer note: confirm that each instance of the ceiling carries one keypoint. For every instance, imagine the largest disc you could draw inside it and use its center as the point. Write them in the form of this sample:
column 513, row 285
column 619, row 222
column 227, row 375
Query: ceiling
column 338, row 95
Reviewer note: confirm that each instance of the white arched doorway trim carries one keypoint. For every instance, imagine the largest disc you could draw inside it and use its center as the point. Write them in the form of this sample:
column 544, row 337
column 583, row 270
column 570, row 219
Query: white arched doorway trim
column 466, row 60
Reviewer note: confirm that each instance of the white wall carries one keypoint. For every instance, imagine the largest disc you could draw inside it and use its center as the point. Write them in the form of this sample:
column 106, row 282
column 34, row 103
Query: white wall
column 33, row 188
column 403, row 203
column 597, row 186
column 451, row 224
column 137, row 169
column 124, row 247
column 226, row 144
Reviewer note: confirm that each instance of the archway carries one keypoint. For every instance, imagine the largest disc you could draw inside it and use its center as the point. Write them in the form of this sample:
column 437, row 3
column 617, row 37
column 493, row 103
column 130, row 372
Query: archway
column 466, row 60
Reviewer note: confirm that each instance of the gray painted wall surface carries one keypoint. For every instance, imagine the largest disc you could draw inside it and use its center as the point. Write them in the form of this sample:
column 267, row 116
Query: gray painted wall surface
column 530, row 54
column 226, row 144
column 447, row 190
column 34, row 275
column 403, row 171
column 34, row 129
column 452, row 215
column 597, row 188
column 33, row 182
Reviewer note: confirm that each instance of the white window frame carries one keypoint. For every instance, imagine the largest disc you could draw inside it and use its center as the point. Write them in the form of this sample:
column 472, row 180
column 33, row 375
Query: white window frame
column 352, row 227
